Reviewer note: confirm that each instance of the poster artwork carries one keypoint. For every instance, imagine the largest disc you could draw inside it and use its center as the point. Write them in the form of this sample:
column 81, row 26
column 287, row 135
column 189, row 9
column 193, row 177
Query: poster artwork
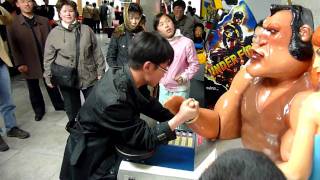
column 227, row 48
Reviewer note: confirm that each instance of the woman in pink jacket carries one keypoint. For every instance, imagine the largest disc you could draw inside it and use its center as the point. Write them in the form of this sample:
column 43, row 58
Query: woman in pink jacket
column 176, row 80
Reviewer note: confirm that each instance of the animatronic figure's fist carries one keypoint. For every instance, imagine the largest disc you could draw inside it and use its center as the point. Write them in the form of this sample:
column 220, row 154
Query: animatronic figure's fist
column 203, row 124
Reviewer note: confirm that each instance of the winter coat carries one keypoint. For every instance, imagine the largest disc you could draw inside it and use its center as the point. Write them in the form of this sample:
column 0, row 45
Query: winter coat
column 23, row 44
column 186, row 25
column 110, row 116
column 61, row 48
column 118, row 48
column 96, row 14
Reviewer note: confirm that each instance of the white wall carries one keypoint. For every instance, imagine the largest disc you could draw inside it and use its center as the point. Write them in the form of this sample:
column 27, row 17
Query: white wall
column 150, row 9
column 260, row 8
column 313, row 5
column 195, row 4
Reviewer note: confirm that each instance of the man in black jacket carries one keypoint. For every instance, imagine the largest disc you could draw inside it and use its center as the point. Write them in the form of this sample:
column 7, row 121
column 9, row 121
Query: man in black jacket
column 46, row 10
column 111, row 114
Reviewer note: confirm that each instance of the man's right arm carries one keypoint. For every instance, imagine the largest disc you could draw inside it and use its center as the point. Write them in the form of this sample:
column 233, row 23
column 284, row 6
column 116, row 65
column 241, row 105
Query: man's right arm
column 14, row 46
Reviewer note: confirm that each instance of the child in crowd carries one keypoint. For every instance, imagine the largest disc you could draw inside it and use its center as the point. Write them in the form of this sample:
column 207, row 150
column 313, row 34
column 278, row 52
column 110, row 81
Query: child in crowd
column 176, row 80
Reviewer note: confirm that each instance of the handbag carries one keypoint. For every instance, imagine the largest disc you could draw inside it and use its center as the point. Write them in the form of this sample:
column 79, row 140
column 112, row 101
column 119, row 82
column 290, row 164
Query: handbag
column 64, row 76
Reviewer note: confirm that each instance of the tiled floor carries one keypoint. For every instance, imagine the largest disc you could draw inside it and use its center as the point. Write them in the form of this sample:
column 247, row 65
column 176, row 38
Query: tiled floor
column 38, row 157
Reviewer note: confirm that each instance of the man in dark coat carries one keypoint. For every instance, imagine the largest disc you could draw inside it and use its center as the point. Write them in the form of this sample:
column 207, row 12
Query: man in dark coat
column 27, row 36
column 183, row 22
column 103, row 9
column 111, row 114
column 46, row 10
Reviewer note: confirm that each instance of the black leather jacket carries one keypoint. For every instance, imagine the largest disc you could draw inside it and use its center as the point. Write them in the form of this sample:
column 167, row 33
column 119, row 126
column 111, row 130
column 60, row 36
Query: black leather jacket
column 110, row 116
column 118, row 48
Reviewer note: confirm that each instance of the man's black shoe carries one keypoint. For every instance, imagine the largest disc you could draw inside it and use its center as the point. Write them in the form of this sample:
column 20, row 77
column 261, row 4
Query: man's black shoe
column 18, row 133
column 3, row 145
column 38, row 117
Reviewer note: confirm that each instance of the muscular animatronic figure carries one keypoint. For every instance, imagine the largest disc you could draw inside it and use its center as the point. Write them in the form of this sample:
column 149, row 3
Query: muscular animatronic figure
column 259, row 107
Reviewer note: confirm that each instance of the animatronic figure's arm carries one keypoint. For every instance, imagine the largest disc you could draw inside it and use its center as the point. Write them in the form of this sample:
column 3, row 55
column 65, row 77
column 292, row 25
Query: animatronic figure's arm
column 299, row 164
column 224, row 121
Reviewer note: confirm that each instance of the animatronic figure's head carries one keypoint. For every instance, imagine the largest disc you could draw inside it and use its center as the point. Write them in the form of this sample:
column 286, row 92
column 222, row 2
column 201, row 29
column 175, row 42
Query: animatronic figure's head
column 283, row 49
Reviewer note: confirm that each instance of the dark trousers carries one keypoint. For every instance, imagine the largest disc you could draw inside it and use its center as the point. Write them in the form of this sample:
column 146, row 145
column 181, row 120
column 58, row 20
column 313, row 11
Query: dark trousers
column 36, row 97
column 89, row 22
column 96, row 26
column 72, row 100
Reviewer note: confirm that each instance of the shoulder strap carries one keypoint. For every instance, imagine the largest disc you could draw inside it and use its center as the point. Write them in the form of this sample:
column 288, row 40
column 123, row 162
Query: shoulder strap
column 78, row 31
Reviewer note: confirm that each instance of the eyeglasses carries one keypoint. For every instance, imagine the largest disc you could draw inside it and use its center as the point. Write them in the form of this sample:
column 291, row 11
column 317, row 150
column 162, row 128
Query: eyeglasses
column 165, row 70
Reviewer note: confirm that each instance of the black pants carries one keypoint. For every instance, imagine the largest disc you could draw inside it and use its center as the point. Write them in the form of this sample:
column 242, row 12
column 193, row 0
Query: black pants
column 36, row 97
column 72, row 100
column 96, row 26
column 89, row 22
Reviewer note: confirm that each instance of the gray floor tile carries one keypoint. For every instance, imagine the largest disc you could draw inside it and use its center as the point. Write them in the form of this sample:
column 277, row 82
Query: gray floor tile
column 28, row 165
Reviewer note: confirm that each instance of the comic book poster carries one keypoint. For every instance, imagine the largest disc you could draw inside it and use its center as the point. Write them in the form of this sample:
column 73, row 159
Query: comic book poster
column 227, row 48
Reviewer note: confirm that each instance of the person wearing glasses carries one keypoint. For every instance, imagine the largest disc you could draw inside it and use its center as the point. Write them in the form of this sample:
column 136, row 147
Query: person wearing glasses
column 111, row 114
column 176, row 80
column 121, row 38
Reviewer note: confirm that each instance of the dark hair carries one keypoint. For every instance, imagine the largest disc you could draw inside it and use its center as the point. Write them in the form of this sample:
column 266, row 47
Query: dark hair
column 149, row 46
column 202, row 27
column 143, row 20
column 157, row 20
column 134, row 7
column 179, row 3
column 242, row 164
column 238, row 15
column 300, row 16
column 71, row 3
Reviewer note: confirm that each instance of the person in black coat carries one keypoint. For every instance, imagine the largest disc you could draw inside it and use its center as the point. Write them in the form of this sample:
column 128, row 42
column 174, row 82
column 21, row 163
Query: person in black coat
column 121, row 38
column 46, row 10
column 110, row 117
